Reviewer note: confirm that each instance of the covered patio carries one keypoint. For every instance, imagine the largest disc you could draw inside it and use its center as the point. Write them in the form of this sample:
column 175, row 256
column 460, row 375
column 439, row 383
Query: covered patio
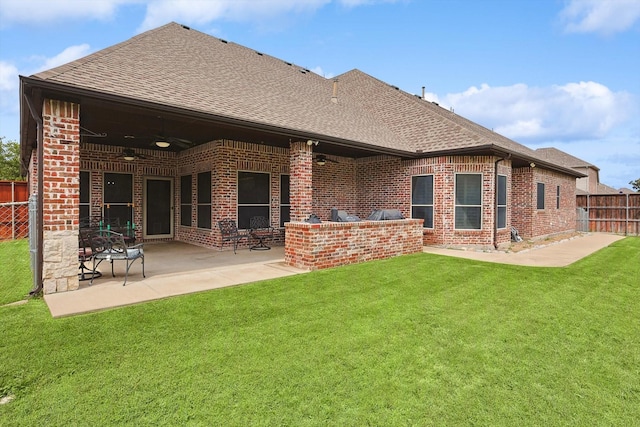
column 171, row 268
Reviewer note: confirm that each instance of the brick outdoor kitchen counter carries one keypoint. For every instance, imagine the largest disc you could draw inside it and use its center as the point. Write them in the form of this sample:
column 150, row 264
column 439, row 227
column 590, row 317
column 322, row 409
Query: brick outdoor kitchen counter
column 331, row 244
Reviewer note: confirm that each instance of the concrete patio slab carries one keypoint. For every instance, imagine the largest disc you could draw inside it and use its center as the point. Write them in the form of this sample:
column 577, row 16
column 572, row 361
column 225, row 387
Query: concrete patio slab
column 172, row 268
column 558, row 254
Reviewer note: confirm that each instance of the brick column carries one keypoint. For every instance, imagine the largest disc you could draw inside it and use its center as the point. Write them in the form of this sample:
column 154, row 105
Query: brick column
column 61, row 171
column 301, row 180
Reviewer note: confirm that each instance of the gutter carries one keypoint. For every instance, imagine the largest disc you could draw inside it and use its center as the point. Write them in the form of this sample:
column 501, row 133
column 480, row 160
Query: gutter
column 495, row 197
column 37, row 116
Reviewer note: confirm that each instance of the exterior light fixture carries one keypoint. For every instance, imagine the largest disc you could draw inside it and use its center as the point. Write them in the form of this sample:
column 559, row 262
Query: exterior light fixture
column 312, row 142
column 321, row 160
column 533, row 165
column 128, row 158
column 163, row 144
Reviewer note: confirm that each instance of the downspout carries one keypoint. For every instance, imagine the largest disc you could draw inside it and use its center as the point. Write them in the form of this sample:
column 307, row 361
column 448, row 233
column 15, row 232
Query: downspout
column 495, row 200
column 37, row 286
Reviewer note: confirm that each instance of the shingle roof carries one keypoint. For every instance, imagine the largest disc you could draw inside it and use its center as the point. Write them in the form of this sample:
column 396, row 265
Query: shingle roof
column 563, row 158
column 179, row 67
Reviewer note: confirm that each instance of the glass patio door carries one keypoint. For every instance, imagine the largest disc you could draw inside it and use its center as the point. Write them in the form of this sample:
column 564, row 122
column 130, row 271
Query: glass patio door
column 158, row 208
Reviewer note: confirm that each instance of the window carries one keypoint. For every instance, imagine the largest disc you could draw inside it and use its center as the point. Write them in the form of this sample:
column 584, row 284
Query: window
column 502, row 201
column 422, row 199
column 540, row 196
column 118, row 199
column 468, row 202
column 85, row 199
column 558, row 197
column 185, row 200
column 204, row 200
column 285, row 205
column 253, row 197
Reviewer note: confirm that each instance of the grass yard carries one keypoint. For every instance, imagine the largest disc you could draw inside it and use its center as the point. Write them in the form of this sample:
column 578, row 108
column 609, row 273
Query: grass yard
column 415, row 340
column 16, row 279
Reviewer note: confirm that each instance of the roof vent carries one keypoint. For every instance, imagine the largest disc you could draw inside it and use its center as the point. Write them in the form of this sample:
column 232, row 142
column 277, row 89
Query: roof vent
column 334, row 97
column 303, row 71
column 223, row 41
column 259, row 53
column 288, row 63
column 185, row 27
column 435, row 103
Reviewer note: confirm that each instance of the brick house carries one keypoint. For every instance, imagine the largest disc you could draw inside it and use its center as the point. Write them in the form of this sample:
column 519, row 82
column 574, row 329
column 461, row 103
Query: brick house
column 173, row 130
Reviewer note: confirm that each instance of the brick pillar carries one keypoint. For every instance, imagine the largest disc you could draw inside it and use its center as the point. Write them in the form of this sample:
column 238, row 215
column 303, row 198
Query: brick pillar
column 61, row 171
column 301, row 179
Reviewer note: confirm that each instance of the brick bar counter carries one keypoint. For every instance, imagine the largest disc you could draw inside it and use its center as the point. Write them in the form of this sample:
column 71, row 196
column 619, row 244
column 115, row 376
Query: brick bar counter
column 330, row 244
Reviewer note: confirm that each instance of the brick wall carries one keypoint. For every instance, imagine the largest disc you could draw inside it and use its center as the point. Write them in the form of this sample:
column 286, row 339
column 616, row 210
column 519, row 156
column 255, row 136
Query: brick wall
column 357, row 186
column 331, row 244
column 385, row 183
column 532, row 222
column 61, row 166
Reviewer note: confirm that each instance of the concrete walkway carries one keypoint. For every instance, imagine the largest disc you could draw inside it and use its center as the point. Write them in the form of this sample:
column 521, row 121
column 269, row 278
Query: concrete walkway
column 176, row 268
column 558, row 254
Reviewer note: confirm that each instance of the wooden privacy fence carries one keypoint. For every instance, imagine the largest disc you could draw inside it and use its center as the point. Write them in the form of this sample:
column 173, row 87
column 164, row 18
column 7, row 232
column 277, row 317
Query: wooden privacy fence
column 14, row 210
column 609, row 213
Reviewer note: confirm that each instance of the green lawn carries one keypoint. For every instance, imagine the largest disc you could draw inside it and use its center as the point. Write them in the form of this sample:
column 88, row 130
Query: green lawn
column 16, row 279
column 415, row 340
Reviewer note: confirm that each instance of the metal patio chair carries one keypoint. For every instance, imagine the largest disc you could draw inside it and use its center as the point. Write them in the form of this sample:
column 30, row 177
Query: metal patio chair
column 261, row 230
column 110, row 246
column 230, row 233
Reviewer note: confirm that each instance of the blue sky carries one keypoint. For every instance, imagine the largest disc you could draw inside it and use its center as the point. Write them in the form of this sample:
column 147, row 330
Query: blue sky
column 562, row 73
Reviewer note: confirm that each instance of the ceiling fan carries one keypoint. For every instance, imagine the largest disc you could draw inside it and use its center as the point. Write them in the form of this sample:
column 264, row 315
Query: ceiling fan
column 321, row 159
column 129, row 155
column 163, row 141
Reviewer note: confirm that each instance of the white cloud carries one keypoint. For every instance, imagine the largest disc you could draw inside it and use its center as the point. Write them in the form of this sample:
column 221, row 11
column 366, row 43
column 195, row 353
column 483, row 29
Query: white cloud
column 204, row 11
column 41, row 11
column 600, row 16
column 8, row 77
column 69, row 54
column 160, row 12
column 318, row 70
column 584, row 110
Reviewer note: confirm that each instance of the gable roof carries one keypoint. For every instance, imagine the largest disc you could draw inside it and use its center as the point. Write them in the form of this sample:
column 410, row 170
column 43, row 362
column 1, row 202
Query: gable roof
column 563, row 158
column 177, row 67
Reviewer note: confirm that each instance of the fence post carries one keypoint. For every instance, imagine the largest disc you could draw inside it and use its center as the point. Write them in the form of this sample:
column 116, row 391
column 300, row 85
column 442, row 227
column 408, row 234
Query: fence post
column 626, row 224
column 13, row 210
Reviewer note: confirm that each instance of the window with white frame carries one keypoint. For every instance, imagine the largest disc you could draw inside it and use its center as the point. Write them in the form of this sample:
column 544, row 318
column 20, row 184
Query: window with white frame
column 540, row 196
column 285, row 204
column 468, row 201
column 422, row 199
column 253, row 197
column 204, row 200
column 501, row 201
column 185, row 200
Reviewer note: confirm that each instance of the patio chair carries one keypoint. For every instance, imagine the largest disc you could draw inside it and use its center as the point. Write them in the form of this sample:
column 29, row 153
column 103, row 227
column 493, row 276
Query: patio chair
column 261, row 230
column 230, row 233
column 85, row 254
column 109, row 245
